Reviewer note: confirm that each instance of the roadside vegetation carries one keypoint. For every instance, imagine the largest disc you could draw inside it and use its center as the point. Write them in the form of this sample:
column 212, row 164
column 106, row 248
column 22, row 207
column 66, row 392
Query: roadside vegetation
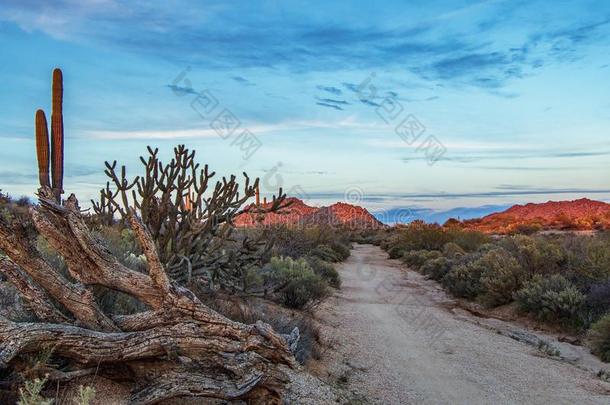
column 561, row 279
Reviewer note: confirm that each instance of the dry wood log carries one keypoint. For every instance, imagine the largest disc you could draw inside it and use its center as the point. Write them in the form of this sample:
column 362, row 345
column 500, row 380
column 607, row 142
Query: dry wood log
column 177, row 347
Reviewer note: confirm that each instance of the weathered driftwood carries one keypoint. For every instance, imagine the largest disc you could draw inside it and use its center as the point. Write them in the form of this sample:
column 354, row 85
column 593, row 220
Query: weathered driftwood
column 177, row 347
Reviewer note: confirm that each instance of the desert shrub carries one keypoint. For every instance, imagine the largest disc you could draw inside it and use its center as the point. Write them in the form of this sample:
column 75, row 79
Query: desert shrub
column 121, row 242
column 552, row 298
column 368, row 236
column 468, row 240
column 536, row 255
column 329, row 243
column 486, row 247
column 464, row 280
column 84, row 396
column 452, row 250
column 248, row 310
column 588, row 258
column 396, row 252
column 309, row 334
column 303, row 290
column 598, row 338
column 116, row 302
column 51, row 256
column 417, row 258
column 325, row 270
column 342, row 250
column 436, row 268
column 598, row 300
column 501, row 277
column 327, row 253
column 29, row 394
column 526, row 229
column 301, row 286
column 415, row 236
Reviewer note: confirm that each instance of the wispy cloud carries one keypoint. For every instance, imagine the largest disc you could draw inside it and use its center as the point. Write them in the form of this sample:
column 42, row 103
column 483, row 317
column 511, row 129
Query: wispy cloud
column 243, row 81
column 327, row 105
column 330, row 89
column 181, row 90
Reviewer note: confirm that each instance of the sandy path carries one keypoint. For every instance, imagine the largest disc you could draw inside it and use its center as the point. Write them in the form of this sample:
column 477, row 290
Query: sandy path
column 396, row 340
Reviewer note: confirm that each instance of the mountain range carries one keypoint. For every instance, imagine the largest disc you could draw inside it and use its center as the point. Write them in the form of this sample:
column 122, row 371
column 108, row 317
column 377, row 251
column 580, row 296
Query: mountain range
column 582, row 214
column 299, row 213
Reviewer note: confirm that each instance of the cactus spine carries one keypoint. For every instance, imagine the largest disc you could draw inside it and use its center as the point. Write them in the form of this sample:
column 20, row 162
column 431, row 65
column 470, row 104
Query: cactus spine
column 57, row 135
column 42, row 148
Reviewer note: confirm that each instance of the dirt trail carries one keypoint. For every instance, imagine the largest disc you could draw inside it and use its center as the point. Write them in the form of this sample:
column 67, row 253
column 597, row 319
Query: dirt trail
column 397, row 339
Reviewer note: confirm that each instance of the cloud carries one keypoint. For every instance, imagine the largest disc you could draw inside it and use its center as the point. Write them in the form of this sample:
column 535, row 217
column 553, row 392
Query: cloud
column 332, row 101
column 327, row 105
column 491, row 193
column 16, row 178
column 255, row 128
column 510, row 155
column 369, row 102
column 330, row 89
column 243, row 80
column 181, row 91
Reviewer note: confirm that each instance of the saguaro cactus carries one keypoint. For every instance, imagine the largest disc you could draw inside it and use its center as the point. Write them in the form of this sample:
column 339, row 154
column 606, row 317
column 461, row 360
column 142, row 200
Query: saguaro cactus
column 57, row 141
column 42, row 148
column 57, row 135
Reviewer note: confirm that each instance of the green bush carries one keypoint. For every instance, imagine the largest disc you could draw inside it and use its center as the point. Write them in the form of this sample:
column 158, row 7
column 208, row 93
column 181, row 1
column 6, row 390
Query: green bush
column 537, row 255
column 501, row 278
column 417, row 258
column 396, row 252
column 325, row 270
column 468, row 240
column 415, row 236
column 335, row 253
column 301, row 286
column 464, row 280
column 342, row 250
column 298, row 242
column 598, row 338
column 436, row 268
column 552, row 298
column 588, row 258
column 452, row 250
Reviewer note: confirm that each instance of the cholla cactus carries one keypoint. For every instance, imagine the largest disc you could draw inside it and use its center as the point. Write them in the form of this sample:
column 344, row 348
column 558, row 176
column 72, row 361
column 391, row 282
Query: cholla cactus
column 57, row 141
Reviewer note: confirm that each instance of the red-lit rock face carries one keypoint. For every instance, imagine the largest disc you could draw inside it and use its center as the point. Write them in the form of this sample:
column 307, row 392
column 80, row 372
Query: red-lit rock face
column 300, row 213
column 582, row 214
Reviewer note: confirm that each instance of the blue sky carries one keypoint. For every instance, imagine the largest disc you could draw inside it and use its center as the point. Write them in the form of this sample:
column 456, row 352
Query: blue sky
column 514, row 94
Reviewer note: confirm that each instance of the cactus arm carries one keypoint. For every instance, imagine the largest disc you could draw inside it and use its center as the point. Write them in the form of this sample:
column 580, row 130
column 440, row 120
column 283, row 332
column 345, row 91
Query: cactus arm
column 42, row 148
column 57, row 135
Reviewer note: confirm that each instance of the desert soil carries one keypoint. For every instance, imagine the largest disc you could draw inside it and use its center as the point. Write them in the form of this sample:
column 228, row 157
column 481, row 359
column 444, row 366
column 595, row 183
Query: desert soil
column 396, row 338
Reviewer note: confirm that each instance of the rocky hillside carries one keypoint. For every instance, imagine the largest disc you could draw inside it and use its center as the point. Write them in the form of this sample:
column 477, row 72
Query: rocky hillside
column 582, row 214
column 299, row 213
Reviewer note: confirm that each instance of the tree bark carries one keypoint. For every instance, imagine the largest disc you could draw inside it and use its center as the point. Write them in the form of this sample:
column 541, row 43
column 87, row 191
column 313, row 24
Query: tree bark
column 178, row 347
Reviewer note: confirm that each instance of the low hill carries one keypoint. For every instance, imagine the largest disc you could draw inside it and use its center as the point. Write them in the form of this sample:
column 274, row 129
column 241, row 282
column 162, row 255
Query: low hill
column 583, row 214
column 299, row 213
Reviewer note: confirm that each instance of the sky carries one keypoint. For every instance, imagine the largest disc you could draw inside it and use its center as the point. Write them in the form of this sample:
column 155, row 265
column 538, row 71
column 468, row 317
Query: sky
column 408, row 108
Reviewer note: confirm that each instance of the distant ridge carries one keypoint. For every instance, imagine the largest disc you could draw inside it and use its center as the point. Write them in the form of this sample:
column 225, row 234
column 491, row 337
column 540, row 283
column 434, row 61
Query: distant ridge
column 299, row 213
column 582, row 214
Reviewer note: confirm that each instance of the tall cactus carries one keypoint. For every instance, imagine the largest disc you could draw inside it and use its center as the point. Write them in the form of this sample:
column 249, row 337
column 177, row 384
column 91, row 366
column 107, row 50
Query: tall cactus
column 57, row 141
column 42, row 148
column 57, row 135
